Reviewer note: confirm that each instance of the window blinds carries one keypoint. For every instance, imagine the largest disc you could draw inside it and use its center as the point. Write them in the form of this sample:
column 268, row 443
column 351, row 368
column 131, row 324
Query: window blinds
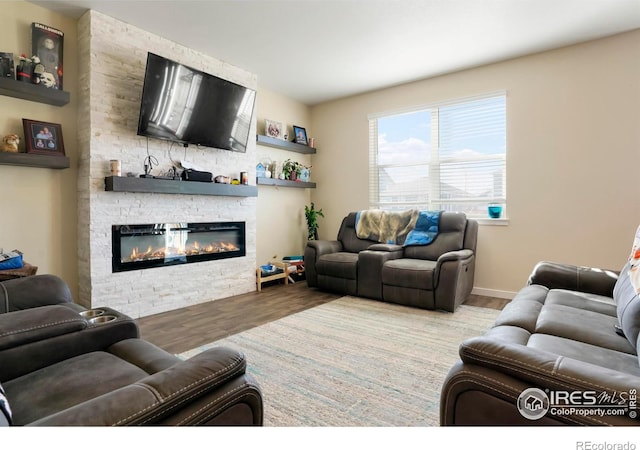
column 449, row 156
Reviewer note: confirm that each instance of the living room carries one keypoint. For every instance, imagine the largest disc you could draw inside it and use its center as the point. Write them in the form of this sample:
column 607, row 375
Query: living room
column 572, row 149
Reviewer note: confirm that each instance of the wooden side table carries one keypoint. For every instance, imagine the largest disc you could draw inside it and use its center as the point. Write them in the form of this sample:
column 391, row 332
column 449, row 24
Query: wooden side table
column 26, row 270
column 282, row 274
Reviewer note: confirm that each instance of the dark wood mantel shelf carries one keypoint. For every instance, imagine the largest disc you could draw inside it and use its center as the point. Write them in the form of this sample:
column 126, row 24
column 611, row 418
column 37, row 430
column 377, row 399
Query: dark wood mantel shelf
column 34, row 160
column 284, row 183
column 33, row 92
column 153, row 185
column 284, row 145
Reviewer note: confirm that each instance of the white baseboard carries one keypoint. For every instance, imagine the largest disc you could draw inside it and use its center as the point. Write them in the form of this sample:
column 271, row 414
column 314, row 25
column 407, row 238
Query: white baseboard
column 493, row 293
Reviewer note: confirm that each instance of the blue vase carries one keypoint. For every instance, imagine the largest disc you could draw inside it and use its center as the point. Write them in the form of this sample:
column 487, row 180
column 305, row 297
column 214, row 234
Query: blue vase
column 495, row 211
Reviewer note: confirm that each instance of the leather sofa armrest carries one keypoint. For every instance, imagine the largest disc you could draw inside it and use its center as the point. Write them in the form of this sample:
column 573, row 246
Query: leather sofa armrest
column 323, row 247
column 453, row 278
column 314, row 250
column 455, row 255
column 544, row 369
column 370, row 266
column 575, row 278
column 55, row 333
column 385, row 248
column 191, row 392
column 37, row 324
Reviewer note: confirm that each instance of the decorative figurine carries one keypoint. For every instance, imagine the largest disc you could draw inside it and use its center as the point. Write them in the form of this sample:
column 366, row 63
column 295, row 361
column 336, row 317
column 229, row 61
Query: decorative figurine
column 10, row 143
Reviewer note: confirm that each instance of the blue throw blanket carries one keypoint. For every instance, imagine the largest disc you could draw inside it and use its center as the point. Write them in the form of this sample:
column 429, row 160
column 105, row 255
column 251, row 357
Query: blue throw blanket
column 426, row 229
column 411, row 227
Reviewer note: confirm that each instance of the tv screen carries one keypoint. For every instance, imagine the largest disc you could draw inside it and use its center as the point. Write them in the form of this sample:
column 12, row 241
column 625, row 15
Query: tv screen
column 185, row 105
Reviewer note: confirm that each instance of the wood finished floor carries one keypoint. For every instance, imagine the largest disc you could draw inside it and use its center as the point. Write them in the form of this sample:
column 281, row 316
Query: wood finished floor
column 183, row 329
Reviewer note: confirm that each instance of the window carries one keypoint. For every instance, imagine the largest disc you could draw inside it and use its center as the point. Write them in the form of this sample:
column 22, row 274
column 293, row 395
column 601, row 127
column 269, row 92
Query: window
column 450, row 156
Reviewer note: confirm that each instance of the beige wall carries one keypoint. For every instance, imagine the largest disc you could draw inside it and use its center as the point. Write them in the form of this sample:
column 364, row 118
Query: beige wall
column 573, row 149
column 38, row 206
column 573, row 139
column 281, row 225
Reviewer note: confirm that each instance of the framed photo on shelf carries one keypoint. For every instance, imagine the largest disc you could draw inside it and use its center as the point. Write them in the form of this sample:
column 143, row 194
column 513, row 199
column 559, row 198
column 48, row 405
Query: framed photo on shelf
column 300, row 135
column 6, row 65
column 43, row 138
column 273, row 129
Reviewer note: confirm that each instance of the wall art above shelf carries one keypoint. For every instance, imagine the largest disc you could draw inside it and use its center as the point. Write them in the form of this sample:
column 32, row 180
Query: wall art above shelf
column 34, row 160
column 285, row 145
column 160, row 186
column 284, row 183
column 32, row 92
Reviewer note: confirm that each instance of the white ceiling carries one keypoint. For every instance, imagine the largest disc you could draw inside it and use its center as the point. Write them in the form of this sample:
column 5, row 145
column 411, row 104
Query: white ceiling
column 318, row 50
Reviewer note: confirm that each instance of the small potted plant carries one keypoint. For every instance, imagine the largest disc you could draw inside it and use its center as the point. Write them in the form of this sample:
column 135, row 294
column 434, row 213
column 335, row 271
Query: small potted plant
column 291, row 170
column 312, row 214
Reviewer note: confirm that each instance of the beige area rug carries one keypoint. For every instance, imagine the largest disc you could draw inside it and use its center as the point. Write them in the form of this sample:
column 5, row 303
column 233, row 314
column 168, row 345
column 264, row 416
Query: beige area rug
column 356, row 362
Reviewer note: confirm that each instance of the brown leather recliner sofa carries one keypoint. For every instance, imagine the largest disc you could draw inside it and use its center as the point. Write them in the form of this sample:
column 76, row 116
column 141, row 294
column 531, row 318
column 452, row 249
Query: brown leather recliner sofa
column 61, row 364
column 562, row 352
column 435, row 276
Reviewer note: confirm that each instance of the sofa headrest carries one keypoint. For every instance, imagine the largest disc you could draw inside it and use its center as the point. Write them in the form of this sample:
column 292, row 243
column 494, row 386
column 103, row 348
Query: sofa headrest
column 347, row 235
column 451, row 237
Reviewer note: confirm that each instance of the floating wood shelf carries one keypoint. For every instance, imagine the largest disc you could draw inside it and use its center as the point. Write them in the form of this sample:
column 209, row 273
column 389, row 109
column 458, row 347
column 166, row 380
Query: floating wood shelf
column 34, row 160
column 153, row 185
column 284, row 145
column 33, row 92
column 284, row 183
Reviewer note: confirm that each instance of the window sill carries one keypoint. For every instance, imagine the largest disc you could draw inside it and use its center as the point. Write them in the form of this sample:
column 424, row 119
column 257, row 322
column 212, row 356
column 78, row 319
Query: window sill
column 493, row 222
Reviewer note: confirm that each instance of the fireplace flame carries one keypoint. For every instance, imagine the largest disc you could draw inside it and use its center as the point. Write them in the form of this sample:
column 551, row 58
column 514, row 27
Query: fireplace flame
column 175, row 252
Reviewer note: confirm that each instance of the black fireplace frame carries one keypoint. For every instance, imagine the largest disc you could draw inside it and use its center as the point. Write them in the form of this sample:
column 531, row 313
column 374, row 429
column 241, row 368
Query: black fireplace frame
column 117, row 231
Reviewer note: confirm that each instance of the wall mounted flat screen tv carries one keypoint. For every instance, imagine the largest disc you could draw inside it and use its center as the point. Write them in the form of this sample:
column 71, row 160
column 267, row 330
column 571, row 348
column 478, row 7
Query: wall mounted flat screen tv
column 187, row 106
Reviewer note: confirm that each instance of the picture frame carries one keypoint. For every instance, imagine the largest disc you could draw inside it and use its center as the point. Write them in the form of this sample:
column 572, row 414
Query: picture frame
column 47, row 43
column 299, row 135
column 273, row 129
column 7, row 65
column 43, row 138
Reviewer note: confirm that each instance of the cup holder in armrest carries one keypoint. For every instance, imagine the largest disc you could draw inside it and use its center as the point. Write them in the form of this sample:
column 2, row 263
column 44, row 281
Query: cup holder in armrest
column 92, row 313
column 102, row 319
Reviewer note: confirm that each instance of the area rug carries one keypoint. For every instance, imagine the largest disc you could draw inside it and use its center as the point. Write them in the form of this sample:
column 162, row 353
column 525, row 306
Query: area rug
column 355, row 362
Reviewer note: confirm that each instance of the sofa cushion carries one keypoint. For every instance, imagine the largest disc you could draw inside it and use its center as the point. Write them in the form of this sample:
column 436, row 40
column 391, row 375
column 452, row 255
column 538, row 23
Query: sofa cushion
column 581, row 325
column 581, row 317
column 410, row 273
column 628, row 307
column 340, row 265
column 581, row 351
column 68, row 383
column 582, row 300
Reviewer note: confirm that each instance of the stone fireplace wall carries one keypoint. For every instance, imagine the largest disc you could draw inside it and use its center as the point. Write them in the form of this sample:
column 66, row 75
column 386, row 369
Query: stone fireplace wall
column 112, row 60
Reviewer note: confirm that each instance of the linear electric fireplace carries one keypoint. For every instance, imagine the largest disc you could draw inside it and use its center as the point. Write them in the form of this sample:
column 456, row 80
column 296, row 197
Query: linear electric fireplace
column 164, row 244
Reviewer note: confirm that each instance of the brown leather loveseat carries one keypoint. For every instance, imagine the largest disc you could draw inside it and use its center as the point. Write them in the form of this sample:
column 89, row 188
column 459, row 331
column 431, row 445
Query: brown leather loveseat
column 435, row 276
column 61, row 364
column 563, row 351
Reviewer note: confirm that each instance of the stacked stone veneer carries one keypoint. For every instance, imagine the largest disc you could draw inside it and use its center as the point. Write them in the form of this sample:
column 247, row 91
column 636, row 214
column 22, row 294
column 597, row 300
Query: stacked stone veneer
column 112, row 61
